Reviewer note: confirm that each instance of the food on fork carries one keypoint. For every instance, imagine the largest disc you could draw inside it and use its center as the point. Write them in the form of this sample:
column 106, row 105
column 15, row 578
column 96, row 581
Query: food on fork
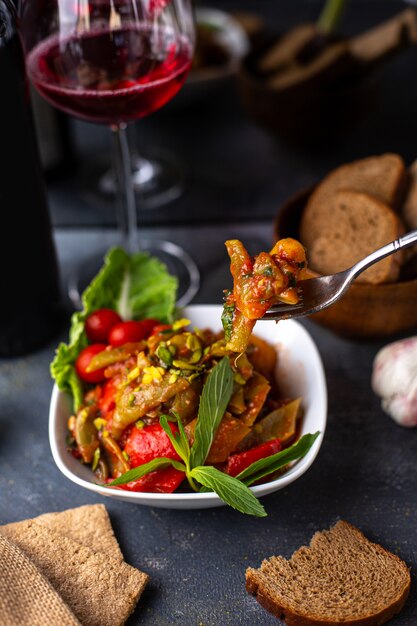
column 341, row 578
column 157, row 404
column 258, row 283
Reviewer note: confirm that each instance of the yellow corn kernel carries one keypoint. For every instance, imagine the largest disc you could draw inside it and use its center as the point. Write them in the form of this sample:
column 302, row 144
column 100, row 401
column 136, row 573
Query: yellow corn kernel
column 152, row 374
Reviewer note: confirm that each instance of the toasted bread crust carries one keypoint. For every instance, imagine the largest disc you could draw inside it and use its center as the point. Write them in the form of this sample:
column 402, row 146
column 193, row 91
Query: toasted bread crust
column 292, row 619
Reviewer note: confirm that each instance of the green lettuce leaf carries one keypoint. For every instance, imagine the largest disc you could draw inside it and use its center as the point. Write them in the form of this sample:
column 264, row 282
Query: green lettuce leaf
column 136, row 286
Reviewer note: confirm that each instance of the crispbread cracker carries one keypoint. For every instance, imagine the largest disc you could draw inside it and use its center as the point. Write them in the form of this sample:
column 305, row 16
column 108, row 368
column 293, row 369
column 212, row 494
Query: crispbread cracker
column 98, row 589
column 89, row 525
column 26, row 596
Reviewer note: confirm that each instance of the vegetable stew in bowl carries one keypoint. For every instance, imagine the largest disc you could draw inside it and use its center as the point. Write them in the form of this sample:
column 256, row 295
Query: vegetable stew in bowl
column 165, row 414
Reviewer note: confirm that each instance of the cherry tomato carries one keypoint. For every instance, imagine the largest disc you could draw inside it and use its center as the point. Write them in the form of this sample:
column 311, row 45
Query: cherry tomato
column 149, row 324
column 83, row 361
column 129, row 332
column 99, row 324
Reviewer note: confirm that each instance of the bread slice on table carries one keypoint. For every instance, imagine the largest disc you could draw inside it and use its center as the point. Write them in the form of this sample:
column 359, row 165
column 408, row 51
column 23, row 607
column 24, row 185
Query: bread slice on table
column 341, row 578
column 383, row 177
column 353, row 225
column 100, row 590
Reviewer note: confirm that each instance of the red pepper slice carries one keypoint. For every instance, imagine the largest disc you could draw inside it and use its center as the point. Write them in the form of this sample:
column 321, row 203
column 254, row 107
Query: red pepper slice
column 148, row 443
column 241, row 460
column 107, row 401
column 144, row 445
column 160, row 329
column 165, row 480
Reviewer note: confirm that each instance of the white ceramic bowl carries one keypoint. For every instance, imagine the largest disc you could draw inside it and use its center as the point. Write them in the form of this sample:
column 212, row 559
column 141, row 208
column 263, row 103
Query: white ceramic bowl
column 300, row 373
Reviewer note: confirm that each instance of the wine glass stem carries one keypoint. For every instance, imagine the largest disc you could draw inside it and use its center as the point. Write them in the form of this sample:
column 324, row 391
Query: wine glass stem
column 125, row 193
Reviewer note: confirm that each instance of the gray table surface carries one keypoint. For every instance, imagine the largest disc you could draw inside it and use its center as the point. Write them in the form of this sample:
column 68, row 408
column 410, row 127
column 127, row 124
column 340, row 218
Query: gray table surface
column 365, row 471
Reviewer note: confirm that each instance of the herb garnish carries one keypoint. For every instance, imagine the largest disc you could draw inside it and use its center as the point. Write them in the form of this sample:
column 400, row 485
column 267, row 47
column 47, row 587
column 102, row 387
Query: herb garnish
column 215, row 397
column 227, row 314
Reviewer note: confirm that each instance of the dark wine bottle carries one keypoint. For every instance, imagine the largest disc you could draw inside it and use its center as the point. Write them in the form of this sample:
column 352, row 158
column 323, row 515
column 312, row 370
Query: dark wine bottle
column 30, row 310
column 54, row 138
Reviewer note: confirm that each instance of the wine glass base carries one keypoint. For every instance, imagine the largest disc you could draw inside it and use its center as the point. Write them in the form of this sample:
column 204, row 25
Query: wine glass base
column 157, row 179
column 178, row 262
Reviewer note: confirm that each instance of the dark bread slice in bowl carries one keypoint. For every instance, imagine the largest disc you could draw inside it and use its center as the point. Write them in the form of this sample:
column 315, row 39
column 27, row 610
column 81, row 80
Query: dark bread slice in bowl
column 409, row 207
column 383, row 176
column 353, row 225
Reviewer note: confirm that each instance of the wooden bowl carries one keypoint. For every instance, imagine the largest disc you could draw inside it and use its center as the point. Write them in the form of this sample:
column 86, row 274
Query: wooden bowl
column 308, row 113
column 366, row 311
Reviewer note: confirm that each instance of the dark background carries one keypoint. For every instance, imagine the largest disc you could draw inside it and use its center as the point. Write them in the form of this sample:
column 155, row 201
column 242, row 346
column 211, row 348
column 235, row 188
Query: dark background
column 239, row 174
column 236, row 169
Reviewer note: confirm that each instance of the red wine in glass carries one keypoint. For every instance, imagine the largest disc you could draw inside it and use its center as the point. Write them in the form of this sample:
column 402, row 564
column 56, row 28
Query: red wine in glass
column 110, row 76
column 112, row 62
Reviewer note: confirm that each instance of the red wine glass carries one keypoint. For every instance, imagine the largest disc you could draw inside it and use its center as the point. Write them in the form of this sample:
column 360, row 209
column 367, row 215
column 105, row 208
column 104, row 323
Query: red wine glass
column 112, row 62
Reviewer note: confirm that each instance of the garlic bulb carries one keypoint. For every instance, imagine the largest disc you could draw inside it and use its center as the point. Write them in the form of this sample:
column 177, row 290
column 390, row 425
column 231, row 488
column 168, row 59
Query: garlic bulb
column 394, row 379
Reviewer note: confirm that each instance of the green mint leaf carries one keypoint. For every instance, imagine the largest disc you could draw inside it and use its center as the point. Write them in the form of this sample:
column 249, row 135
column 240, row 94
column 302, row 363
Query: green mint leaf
column 183, row 436
column 215, row 397
column 146, row 468
column 229, row 489
column 272, row 463
column 177, row 440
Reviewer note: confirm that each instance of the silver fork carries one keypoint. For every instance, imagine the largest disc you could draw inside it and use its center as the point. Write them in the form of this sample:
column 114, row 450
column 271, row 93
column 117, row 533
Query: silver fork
column 319, row 293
